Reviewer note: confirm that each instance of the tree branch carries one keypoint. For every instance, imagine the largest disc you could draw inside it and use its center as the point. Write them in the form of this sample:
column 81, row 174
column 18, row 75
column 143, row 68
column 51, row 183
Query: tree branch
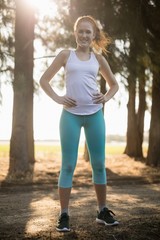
column 37, row 58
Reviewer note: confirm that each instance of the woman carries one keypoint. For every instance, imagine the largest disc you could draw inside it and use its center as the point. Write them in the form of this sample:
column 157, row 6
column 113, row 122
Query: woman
column 82, row 107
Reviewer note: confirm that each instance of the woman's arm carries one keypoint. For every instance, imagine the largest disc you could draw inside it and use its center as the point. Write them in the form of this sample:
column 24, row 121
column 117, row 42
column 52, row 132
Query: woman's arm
column 57, row 63
column 107, row 74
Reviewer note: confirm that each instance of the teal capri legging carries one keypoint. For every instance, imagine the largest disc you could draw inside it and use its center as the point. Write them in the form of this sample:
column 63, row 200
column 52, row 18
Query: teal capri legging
column 94, row 129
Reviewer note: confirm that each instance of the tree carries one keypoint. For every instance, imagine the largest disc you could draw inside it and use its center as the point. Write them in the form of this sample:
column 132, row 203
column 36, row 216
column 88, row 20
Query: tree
column 131, row 146
column 6, row 42
column 142, row 107
column 22, row 143
column 153, row 156
column 151, row 18
column 129, row 29
column 137, row 101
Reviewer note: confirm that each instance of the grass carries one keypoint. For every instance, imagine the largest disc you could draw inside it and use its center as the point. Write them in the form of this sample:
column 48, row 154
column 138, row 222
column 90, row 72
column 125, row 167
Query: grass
column 47, row 148
column 115, row 149
column 4, row 150
column 53, row 148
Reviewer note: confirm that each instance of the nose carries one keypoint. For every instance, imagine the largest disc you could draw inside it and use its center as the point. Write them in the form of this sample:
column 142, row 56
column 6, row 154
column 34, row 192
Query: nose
column 84, row 34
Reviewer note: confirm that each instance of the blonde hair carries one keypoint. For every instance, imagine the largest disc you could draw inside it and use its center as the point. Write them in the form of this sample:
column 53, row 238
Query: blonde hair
column 102, row 40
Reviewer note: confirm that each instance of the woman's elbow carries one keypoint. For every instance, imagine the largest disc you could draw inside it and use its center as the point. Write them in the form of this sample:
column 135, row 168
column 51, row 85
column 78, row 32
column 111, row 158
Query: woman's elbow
column 117, row 87
column 42, row 82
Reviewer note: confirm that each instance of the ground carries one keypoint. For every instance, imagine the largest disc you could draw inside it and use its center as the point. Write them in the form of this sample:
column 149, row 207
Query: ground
column 29, row 210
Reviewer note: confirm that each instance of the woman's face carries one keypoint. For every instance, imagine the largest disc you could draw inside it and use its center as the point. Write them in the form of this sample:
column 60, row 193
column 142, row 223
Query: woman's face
column 84, row 34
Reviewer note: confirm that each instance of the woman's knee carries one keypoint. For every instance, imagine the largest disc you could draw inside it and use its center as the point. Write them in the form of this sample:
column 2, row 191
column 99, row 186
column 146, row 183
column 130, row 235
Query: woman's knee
column 69, row 169
column 98, row 164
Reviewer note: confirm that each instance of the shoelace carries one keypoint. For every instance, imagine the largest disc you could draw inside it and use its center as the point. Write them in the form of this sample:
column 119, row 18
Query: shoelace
column 108, row 212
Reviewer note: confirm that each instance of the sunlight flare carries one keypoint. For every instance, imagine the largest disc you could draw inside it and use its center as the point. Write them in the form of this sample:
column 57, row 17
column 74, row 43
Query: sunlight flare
column 44, row 7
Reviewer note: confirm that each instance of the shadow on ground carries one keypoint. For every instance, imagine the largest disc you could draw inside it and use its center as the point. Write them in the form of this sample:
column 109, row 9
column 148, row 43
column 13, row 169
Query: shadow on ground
column 29, row 210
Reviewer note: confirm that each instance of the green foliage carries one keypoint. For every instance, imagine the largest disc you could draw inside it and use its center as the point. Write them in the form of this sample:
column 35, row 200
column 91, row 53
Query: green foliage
column 6, row 43
column 7, row 35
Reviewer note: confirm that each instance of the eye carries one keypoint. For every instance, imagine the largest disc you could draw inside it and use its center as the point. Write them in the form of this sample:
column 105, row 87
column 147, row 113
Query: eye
column 80, row 31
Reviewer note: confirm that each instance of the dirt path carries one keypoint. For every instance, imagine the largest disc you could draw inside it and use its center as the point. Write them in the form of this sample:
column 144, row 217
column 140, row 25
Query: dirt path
column 30, row 210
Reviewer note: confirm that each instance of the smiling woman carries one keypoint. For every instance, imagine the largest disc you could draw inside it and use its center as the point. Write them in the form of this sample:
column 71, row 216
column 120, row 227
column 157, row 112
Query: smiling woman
column 44, row 7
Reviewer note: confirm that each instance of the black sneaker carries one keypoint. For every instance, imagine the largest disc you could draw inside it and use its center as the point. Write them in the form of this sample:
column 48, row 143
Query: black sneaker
column 105, row 217
column 63, row 223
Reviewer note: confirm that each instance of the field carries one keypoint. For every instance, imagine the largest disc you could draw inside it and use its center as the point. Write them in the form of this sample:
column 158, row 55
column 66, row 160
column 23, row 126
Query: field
column 29, row 209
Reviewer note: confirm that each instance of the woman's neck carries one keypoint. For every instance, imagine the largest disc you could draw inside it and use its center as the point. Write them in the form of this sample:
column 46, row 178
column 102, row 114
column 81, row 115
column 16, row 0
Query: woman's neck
column 83, row 54
column 83, row 50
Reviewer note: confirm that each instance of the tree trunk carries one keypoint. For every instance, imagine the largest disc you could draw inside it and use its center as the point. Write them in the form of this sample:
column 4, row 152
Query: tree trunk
column 22, row 142
column 131, row 147
column 153, row 156
column 103, row 88
column 86, row 153
column 135, row 119
column 141, row 111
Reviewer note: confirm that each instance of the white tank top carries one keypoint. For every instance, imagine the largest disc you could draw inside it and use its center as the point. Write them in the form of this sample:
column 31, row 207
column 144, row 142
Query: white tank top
column 81, row 83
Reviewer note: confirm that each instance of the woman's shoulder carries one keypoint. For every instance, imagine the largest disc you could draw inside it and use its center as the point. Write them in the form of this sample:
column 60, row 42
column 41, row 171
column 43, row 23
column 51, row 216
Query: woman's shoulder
column 64, row 54
column 100, row 58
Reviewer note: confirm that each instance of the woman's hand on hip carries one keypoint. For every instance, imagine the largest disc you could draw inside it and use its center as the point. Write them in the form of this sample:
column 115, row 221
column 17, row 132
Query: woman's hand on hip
column 99, row 98
column 66, row 101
